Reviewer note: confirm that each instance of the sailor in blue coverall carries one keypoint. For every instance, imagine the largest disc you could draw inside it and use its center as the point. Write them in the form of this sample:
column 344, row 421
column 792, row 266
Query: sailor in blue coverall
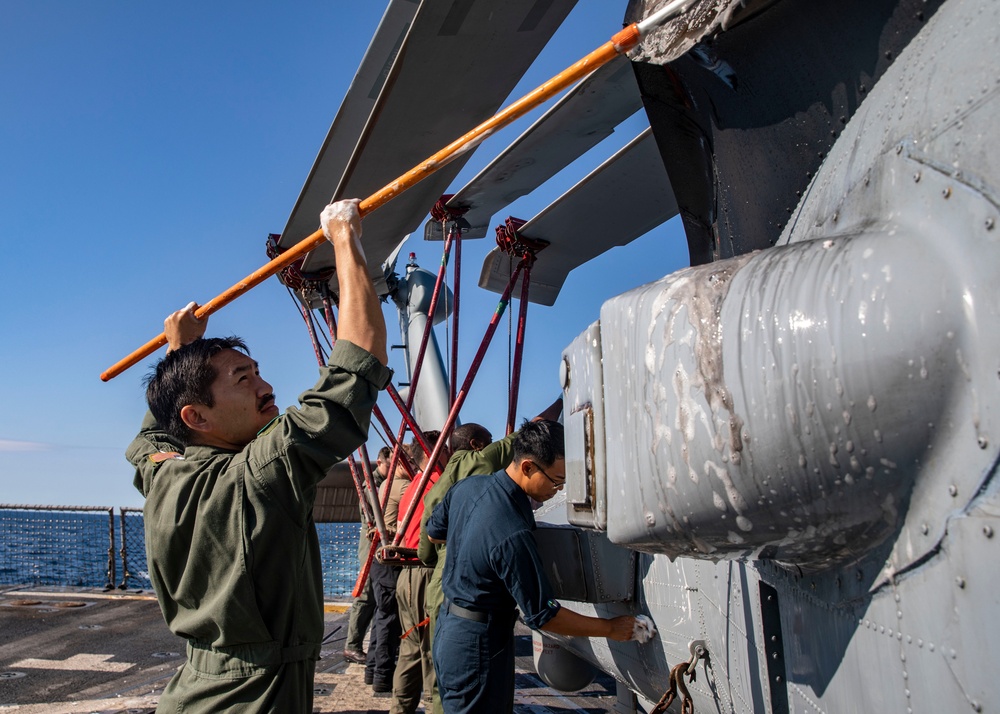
column 492, row 568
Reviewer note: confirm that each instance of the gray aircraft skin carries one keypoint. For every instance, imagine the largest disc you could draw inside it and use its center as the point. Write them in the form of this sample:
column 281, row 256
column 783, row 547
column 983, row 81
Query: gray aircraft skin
column 797, row 434
column 785, row 454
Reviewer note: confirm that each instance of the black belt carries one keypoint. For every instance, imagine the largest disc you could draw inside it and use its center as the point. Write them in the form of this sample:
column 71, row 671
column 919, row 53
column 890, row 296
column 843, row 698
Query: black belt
column 466, row 614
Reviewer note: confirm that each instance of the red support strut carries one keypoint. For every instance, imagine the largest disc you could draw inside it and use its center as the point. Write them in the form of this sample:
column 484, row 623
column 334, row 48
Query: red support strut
column 460, row 399
column 522, row 318
column 453, row 368
column 451, row 226
column 511, row 241
column 428, row 328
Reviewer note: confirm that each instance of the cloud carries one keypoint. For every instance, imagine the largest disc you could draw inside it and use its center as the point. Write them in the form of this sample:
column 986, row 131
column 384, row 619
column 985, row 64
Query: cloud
column 9, row 445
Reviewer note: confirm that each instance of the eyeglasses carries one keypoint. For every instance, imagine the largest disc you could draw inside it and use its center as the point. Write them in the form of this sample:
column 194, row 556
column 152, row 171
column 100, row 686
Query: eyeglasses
column 554, row 482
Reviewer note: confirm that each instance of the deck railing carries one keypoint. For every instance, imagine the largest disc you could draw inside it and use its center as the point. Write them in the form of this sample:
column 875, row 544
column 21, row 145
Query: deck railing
column 83, row 546
column 57, row 545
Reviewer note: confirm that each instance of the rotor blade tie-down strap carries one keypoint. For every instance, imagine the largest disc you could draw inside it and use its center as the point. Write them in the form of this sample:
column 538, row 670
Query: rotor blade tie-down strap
column 441, row 211
column 423, row 623
column 292, row 274
column 511, row 241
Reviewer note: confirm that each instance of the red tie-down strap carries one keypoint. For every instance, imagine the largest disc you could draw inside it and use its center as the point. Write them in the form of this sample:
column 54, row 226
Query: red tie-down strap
column 292, row 275
column 423, row 623
column 514, row 243
column 441, row 211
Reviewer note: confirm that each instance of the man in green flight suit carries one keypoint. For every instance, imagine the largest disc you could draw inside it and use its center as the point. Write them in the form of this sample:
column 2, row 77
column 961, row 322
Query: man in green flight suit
column 473, row 453
column 230, row 485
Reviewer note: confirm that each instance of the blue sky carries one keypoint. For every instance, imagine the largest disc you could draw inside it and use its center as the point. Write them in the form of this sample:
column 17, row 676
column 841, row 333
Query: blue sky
column 146, row 151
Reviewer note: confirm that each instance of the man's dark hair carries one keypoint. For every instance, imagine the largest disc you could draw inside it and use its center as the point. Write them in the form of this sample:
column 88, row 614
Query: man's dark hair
column 431, row 437
column 385, row 453
column 462, row 436
column 183, row 377
column 416, row 452
column 541, row 441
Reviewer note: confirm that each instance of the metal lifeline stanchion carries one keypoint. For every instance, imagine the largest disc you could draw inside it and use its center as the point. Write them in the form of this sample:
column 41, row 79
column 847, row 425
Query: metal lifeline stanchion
column 111, row 550
column 123, row 551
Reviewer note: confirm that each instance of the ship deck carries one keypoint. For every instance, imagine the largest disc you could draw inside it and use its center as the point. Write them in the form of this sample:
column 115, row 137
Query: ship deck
column 81, row 650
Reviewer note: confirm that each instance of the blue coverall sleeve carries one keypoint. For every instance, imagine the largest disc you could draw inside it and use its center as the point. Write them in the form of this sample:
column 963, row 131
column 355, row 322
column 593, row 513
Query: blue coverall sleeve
column 517, row 563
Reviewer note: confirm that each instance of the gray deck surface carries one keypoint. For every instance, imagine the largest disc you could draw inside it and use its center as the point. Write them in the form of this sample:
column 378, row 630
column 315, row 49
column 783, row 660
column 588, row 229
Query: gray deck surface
column 70, row 650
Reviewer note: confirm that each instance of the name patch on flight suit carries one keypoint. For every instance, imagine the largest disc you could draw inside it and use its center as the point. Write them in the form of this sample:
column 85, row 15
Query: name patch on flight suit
column 161, row 456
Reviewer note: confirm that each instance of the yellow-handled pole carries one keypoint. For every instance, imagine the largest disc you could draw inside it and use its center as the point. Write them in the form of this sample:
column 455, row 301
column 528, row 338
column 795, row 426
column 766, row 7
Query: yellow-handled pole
column 620, row 43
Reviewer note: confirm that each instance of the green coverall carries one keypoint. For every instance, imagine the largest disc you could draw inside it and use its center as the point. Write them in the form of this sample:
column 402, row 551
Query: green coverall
column 462, row 464
column 232, row 548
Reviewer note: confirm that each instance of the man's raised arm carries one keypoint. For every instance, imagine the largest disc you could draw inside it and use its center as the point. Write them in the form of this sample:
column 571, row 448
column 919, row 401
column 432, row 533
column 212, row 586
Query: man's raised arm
column 359, row 313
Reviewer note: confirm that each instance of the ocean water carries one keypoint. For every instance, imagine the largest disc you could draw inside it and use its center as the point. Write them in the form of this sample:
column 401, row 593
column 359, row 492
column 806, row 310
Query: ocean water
column 54, row 547
column 75, row 548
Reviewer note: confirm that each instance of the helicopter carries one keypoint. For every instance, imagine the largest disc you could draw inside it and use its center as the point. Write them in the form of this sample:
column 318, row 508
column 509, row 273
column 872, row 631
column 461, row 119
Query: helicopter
column 785, row 453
